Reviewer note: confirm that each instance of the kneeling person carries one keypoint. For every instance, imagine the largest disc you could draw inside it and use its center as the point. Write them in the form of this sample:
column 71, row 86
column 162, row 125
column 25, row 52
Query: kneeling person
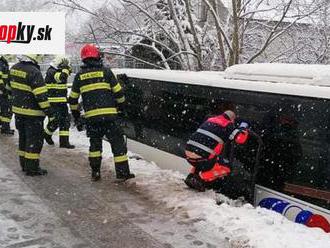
column 205, row 148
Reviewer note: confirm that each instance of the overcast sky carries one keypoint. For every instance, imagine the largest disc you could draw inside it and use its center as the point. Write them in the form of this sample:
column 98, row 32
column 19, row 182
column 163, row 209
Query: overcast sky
column 74, row 19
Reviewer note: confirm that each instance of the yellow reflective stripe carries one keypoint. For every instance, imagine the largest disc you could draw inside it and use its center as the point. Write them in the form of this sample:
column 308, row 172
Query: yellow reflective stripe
column 74, row 106
column 119, row 159
column 57, row 86
column 57, row 77
column 20, row 86
column 120, row 100
column 30, row 155
column 101, row 111
column 30, row 112
column 64, row 133
column 20, row 153
column 4, row 75
column 116, row 88
column 44, row 104
column 47, row 131
column 18, row 73
column 57, row 99
column 96, row 86
column 66, row 71
column 89, row 75
column 5, row 119
column 74, row 94
column 40, row 90
column 95, row 154
column 1, row 81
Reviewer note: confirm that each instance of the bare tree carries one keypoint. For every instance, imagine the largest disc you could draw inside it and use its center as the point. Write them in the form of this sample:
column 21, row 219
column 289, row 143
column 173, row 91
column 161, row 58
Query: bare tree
column 253, row 26
column 176, row 36
column 140, row 23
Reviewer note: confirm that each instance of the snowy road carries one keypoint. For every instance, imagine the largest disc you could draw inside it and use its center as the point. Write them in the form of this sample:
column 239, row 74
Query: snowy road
column 65, row 209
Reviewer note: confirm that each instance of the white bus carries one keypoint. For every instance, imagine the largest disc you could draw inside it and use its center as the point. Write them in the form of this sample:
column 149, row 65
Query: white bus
column 287, row 105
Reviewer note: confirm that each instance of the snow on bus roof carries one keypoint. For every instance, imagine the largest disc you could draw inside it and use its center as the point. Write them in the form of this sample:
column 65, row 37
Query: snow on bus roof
column 287, row 79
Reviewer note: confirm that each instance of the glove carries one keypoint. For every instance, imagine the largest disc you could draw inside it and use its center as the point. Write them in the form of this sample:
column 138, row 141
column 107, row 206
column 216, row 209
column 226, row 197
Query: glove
column 223, row 161
column 243, row 125
column 68, row 68
column 121, row 113
column 124, row 78
column 50, row 113
column 240, row 134
column 80, row 124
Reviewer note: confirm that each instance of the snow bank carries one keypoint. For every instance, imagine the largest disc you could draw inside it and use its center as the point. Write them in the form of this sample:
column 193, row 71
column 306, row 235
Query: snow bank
column 244, row 226
column 281, row 73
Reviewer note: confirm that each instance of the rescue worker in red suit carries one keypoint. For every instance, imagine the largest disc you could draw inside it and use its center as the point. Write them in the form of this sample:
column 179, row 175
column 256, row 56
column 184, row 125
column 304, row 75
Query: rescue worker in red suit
column 205, row 147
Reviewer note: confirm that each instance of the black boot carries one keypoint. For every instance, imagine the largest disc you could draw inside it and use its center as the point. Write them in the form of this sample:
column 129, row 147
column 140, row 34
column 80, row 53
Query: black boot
column 122, row 171
column 95, row 164
column 32, row 168
column 5, row 129
column 195, row 182
column 64, row 142
column 22, row 163
column 48, row 139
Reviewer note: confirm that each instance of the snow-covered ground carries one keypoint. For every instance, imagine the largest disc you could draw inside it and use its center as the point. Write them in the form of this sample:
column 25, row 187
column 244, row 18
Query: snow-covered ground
column 244, row 226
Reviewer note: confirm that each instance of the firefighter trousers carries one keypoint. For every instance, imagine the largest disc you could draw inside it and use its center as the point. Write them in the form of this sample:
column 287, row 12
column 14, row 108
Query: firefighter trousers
column 114, row 134
column 5, row 111
column 61, row 121
column 30, row 141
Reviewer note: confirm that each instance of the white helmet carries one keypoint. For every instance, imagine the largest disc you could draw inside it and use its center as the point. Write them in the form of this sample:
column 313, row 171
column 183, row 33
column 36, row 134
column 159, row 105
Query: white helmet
column 37, row 58
column 60, row 61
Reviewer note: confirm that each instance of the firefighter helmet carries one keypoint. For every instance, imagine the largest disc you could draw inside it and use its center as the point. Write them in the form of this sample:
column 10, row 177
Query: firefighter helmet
column 90, row 51
column 230, row 114
column 37, row 58
column 61, row 61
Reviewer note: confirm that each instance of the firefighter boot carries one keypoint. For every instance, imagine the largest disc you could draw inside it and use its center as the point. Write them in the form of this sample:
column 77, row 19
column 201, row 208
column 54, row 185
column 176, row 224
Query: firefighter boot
column 32, row 168
column 48, row 139
column 195, row 182
column 22, row 163
column 122, row 171
column 64, row 142
column 5, row 129
column 95, row 164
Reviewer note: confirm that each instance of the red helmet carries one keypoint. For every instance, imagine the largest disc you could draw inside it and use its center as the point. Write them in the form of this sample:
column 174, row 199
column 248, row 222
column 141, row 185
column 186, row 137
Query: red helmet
column 242, row 137
column 90, row 51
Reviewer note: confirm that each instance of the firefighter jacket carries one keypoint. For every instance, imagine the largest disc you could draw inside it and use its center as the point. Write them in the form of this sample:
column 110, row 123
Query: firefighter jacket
column 210, row 138
column 56, row 82
column 28, row 90
column 100, row 91
column 4, row 75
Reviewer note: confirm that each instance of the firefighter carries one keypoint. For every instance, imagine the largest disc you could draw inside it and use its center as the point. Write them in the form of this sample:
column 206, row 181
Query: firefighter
column 30, row 105
column 204, row 149
column 56, row 82
column 5, row 106
column 102, row 100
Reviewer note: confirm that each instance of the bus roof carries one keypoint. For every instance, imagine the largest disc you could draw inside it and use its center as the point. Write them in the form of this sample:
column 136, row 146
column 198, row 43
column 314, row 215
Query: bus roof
column 286, row 79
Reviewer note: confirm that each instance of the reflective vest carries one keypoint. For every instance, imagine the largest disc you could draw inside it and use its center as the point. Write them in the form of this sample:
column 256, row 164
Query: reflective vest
column 209, row 139
column 56, row 82
column 28, row 89
column 100, row 91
